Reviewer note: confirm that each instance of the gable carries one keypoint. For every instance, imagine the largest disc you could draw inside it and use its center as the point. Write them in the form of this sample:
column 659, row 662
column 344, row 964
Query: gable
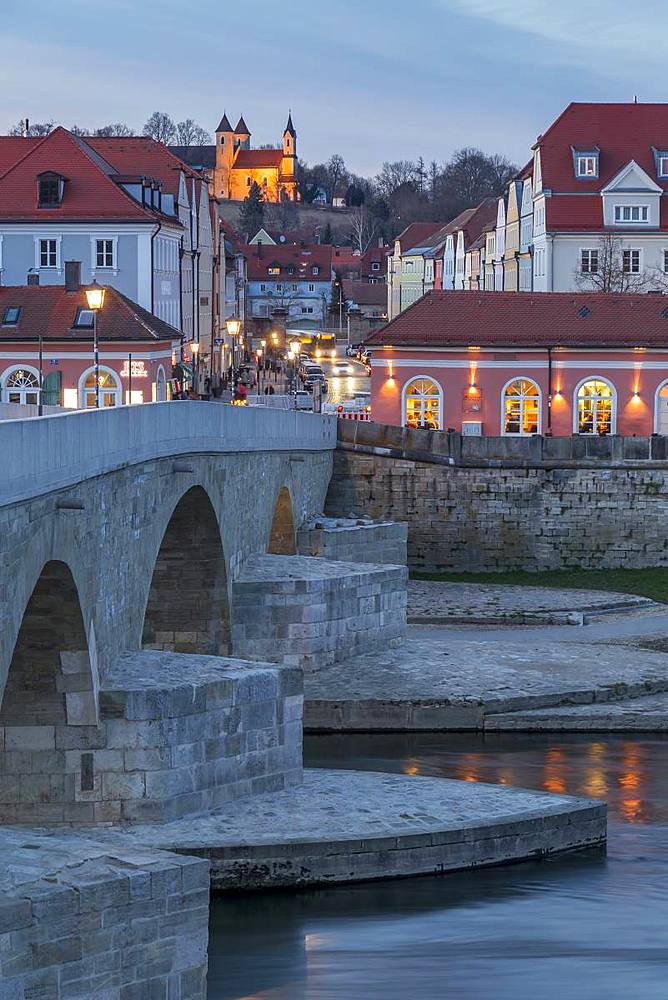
column 632, row 178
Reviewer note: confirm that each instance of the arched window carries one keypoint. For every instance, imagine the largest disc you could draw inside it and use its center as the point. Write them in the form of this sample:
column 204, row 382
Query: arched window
column 521, row 407
column 661, row 409
column 110, row 388
column 160, row 385
column 594, row 407
column 21, row 385
column 423, row 404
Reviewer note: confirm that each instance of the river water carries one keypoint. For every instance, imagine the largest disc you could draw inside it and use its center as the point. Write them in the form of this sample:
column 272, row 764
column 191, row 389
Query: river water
column 586, row 926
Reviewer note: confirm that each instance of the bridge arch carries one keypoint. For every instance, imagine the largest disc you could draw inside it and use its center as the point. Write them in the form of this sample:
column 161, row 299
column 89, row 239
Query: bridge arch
column 282, row 534
column 187, row 608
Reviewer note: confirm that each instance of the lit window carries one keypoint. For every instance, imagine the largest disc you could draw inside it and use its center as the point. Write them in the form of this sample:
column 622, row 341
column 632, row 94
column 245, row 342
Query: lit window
column 631, row 213
column 587, row 166
column 273, row 269
column 84, row 318
column 48, row 253
column 589, row 261
column 422, row 404
column 594, row 407
column 21, row 386
column 521, row 402
column 104, row 253
column 110, row 393
column 10, row 317
column 631, row 261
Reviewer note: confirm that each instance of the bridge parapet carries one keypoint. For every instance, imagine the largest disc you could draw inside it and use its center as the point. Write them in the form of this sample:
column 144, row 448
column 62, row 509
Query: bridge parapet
column 50, row 453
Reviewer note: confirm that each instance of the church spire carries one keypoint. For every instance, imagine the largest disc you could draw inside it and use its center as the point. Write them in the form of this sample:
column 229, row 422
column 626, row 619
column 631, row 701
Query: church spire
column 242, row 128
column 289, row 128
column 224, row 125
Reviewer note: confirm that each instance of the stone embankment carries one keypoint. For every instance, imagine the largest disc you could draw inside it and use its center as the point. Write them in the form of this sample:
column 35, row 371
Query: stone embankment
column 496, row 504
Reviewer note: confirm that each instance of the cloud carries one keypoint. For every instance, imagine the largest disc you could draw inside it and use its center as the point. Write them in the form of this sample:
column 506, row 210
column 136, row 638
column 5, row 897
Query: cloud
column 612, row 40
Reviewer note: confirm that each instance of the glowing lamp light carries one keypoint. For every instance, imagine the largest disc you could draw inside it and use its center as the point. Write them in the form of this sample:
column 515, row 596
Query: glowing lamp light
column 194, row 347
column 264, row 343
column 95, row 296
column 233, row 327
column 636, row 394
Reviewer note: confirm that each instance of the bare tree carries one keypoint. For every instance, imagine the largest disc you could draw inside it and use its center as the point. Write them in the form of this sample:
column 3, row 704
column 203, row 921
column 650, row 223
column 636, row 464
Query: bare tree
column 32, row 129
column 160, row 127
column 395, row 175
column 363, row 228
column 189, row 133
column 114, row 129
column 609, row 267
column 336, row 174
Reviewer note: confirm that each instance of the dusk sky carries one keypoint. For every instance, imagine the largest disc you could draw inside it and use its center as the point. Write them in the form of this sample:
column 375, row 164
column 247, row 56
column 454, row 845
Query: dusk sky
column 370, row 79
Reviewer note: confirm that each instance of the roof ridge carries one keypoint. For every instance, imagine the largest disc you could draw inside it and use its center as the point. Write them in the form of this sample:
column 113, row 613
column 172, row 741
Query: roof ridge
column 31, row 150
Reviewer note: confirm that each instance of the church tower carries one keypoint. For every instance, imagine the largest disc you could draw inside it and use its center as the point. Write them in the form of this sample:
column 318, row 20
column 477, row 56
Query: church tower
column 289, row 161
column 241, row 135
column 225, row 153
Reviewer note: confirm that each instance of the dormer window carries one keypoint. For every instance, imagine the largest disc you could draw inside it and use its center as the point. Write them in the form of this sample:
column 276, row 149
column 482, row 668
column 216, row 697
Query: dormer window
column 315, row 269
column 632, row 213
column 50, row 190
column 585, row 162
column 661, row 159
column 274, row 269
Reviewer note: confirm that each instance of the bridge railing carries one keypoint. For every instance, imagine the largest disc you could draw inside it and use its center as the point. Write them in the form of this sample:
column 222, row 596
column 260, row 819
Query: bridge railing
column 49, row 453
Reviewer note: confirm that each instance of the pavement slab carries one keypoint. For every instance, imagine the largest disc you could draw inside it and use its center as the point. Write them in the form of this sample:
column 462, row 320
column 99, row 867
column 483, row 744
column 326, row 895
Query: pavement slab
column 342, row 826
column 437, row 681
column 441, row 602
column 637, row 715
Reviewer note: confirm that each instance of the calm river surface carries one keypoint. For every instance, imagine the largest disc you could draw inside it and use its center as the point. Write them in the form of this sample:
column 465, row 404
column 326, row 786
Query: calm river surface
column 587, row 926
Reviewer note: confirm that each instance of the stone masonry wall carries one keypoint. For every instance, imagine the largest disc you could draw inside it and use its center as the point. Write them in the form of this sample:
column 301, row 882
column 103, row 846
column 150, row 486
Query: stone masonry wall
column 358, row 540
column 308, row 612
column 79, row 920
column 178, row 735
column 490, row 519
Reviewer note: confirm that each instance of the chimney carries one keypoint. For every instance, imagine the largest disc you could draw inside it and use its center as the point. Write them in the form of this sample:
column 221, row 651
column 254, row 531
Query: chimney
column 72, row 275
column 33, row 277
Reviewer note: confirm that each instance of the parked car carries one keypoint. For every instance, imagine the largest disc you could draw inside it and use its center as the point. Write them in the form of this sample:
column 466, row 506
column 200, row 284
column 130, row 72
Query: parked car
column 303, row 400
column 313, row 379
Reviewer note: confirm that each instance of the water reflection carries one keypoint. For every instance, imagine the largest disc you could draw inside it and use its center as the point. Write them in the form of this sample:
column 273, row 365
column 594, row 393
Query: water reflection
column 586, row 926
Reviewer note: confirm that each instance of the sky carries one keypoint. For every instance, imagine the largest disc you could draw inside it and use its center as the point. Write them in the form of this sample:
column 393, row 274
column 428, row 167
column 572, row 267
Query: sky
column 373, row 80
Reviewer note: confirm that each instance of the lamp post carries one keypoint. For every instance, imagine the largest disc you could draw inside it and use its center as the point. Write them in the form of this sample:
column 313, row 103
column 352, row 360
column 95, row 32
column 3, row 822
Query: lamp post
column 95, row 297
column 233, row 329
column 194, row 347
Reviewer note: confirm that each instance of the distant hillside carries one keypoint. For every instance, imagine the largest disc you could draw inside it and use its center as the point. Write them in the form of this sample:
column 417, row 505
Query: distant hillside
column 307, row 217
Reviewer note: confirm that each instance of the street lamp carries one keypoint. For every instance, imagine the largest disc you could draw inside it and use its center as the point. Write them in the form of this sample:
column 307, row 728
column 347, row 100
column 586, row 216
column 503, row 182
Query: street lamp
column 233, row 328
column 95, row 297
column 194, row 347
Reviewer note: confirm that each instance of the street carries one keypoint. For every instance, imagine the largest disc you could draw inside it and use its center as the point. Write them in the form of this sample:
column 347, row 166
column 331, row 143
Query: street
column 343, row 387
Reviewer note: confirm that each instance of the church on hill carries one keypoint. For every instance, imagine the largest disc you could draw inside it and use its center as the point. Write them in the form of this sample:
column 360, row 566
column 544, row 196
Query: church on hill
column 238, row 164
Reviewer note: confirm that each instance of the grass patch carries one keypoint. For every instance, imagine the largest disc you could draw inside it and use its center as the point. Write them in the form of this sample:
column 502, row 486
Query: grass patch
column 651, row 583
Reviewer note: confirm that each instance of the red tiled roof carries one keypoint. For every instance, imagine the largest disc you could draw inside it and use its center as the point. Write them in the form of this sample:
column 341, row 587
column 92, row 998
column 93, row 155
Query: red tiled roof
column 622, row 132
column 50, row 310
column 90, row 193
column 515, row 319
column 285, row 256
column 248, row 158
column 415, row 234
column 141, row 155
column 365, row 293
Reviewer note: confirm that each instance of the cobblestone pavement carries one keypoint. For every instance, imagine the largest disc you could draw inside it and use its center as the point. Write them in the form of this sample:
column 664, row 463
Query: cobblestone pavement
column 440, row 601
column 437, row 680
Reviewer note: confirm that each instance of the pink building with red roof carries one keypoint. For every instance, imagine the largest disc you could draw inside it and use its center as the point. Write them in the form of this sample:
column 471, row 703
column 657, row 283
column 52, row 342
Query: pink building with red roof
column 521, row 364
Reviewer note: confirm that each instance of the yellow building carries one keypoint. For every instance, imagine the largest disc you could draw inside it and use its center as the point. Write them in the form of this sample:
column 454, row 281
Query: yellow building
column 237, row 165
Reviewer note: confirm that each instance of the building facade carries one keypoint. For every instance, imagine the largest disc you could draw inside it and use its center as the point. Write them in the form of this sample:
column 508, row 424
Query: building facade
column 293, row 281
column 521, row 364
column 135, row 347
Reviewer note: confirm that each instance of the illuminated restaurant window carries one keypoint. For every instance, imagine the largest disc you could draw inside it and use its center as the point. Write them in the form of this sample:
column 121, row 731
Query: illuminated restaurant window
column 594, row 407
column 110, row 390
column 422, row 404
column 21, row 386
column 521, row 407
